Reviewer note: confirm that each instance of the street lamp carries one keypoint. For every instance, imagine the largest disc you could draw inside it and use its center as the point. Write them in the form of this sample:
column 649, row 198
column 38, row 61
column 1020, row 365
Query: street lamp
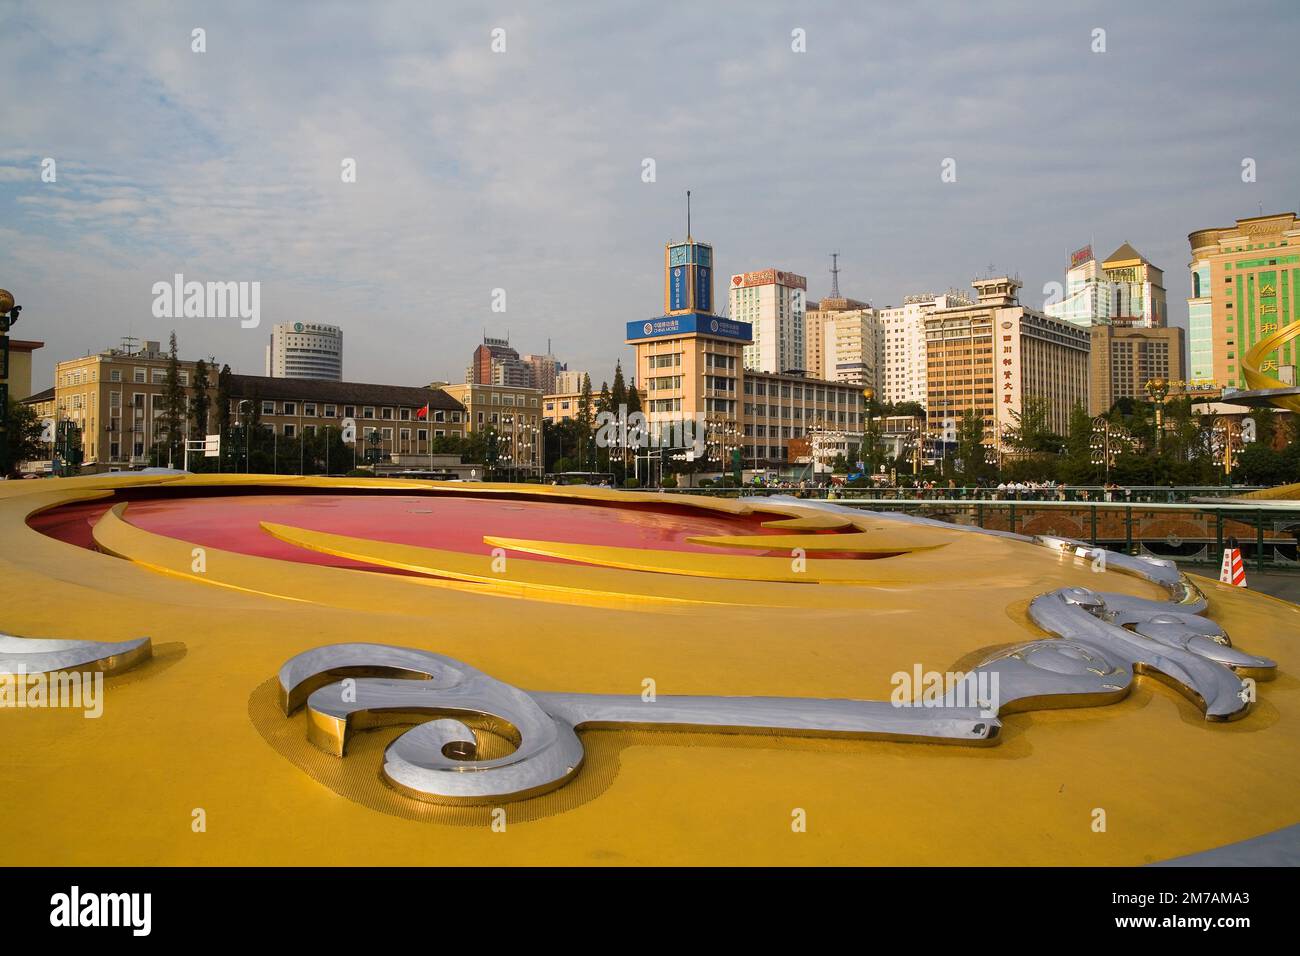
column 1227, row 442
column 1158, row 388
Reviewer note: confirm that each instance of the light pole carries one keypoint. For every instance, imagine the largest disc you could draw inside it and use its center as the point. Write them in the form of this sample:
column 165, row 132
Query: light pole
column 1158, row 388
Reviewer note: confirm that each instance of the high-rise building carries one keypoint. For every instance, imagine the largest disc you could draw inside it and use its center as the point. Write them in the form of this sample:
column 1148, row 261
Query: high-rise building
column 1123, row 360
column 1125, row 289
column 568, row 382
column 542, row 371
column 1086, row 300
column 900, row 345
column 851, row 347
column 995, row 355
column 1245, row 286
column 496, row 363
column 816, row 315
column 305, row 350
column 773, row 304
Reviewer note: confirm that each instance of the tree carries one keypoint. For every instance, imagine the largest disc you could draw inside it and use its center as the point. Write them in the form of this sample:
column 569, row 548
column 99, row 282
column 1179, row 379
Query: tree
column 1077, row 466
column 618, row 392
column 970, row 445
column 174, row 413
column 1031, row 433
column 223, row 410
column 584, row 420
column 23, row 433
column 200, row 402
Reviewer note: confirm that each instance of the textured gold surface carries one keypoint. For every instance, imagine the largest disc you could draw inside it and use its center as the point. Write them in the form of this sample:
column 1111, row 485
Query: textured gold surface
column 197, row 726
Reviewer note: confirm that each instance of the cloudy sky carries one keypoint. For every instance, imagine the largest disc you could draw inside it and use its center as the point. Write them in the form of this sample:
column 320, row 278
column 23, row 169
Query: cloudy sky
column 522, row 169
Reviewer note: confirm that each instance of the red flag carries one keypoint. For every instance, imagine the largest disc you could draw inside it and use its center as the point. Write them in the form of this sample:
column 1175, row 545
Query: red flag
column 423, row 412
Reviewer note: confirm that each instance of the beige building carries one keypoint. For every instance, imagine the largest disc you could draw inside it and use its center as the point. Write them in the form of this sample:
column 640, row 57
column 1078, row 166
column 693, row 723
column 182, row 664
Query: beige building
column 513, row 412
column 116, row 398
column 17, row 375
column 691, row 366
column 1123, row 360
column 781, row 409
column 772, row 302
column 815, row 321
column 851, row 347
column 1245, row 280
column 995, row 355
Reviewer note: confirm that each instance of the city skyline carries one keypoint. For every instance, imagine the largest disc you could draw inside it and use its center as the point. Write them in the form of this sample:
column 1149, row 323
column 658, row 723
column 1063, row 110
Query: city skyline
column 479, row 170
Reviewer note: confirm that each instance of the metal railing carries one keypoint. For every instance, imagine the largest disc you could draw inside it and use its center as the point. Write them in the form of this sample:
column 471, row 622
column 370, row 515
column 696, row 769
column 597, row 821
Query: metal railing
column 1187, row 531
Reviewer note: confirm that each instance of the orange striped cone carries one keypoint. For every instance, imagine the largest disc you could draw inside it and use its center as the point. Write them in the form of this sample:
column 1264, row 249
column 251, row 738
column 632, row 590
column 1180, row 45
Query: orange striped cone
column 1234, row 569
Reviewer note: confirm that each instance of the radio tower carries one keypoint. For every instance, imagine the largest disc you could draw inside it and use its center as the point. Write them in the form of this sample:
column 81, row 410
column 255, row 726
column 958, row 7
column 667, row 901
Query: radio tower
column 835, row 275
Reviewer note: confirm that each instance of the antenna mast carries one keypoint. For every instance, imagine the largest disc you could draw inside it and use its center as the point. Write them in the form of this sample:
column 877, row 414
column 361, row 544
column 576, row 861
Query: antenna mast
column 835, row 275
column 688, row 215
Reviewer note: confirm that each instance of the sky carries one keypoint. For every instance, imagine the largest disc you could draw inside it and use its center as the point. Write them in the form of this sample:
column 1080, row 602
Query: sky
column 523, row 168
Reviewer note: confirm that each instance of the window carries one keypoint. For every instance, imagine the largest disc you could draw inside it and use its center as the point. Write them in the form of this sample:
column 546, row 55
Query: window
column 159, row 376
column 404, row 414
column 291, row 408
column 368, row 412
column 268, row 408
column 289, row 431
column 421, row 434
column 139, row 375
column 349, row 411
column 386, row 414
column 309, row 409
column 331, row 411
column 115, row 375
column 387, row 434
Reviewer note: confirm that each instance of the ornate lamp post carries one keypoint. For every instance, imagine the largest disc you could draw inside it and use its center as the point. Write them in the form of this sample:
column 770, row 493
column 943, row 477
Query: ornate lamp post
column 1158, row 388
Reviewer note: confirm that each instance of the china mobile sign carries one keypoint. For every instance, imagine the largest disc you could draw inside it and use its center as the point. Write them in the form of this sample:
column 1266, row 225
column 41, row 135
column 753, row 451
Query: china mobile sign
column 696, row 323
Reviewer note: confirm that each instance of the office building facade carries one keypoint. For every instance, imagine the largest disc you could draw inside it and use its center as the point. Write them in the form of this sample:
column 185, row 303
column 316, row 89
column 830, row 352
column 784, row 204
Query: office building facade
column 773, row 304
column 995, row 355
column 305, row 350
column 1245, row 280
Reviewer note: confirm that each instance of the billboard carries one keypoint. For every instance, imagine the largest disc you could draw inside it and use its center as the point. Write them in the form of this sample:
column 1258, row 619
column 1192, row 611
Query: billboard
column 768, row 277
column 703, row 288
column 692, row 323
column 1080, row 256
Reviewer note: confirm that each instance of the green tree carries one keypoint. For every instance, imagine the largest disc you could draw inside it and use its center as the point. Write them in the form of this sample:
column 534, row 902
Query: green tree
column 174, row 412
column 1076, row 466
column 970, row 446
column 200, row 403
column 223, row 412
column 23, row 435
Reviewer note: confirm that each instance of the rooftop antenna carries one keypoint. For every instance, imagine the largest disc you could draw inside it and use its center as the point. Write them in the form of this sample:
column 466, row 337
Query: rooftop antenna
column 835, row 275
column 688, row 215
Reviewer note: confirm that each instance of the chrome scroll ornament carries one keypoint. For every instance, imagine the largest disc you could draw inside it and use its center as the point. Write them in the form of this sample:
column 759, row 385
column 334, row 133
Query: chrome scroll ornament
column 1102, row 640
column 350, row 687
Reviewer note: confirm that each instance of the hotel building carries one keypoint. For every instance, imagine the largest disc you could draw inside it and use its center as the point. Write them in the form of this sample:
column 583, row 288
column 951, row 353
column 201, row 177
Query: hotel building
column 773, row 304
column 1245, row 285
column 305, row 350
column 995, row 355
column 1123, row 360
column 1124, row 289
